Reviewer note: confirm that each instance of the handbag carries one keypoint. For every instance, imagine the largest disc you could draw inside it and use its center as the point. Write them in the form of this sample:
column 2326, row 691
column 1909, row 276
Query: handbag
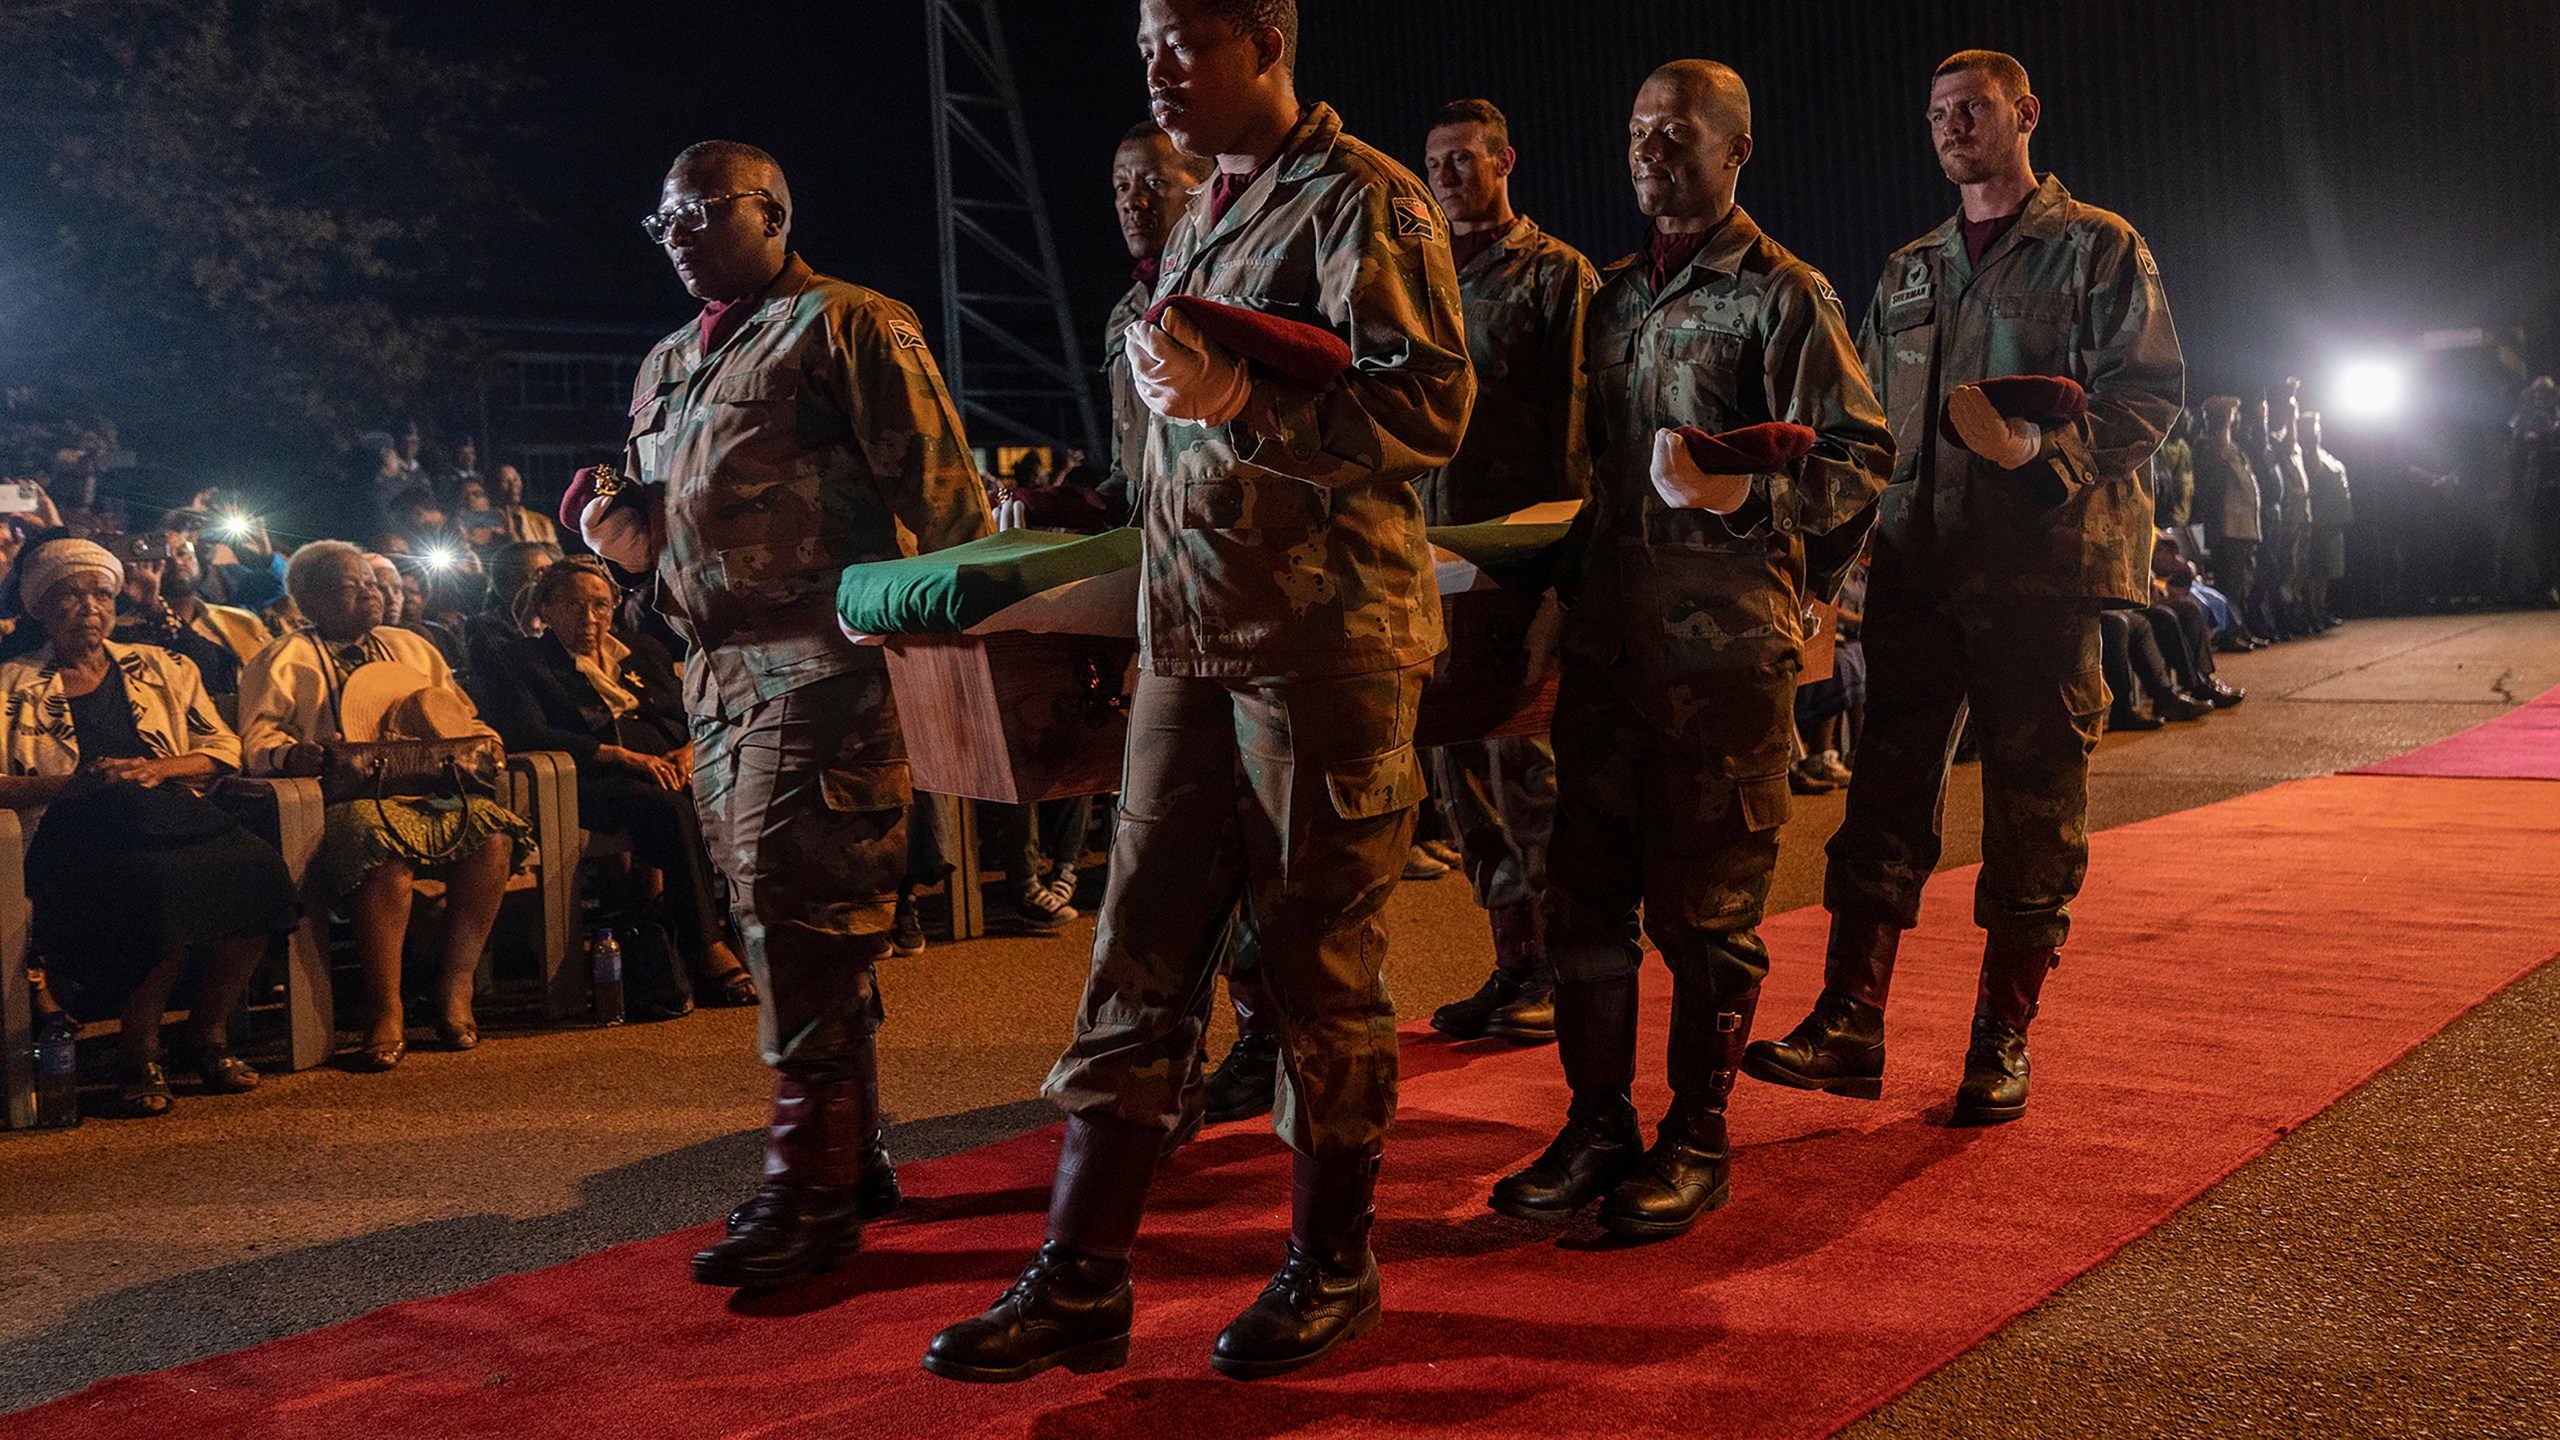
column 359, row 771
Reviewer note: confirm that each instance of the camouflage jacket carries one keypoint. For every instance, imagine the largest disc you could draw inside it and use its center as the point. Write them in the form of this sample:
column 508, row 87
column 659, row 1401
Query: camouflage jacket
column 1289, row 541
column 1746, row 333
column 816, row 436
column 2069, row 290
column 1128, row 412
column 2226, row 491
column 1525, row 298
column 2173, row 481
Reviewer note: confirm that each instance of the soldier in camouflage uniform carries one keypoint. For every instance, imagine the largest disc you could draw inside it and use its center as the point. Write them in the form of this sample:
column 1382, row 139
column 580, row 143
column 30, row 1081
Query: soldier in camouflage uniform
column 1152, row 184
column 1525, row 293
column 1287, row 621
column 800, row 426
column 1674, row 721
column 1993, row 558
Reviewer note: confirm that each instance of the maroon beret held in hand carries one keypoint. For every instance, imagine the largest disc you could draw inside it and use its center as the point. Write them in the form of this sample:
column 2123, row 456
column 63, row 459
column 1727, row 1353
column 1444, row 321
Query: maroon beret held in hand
column 1309, row 354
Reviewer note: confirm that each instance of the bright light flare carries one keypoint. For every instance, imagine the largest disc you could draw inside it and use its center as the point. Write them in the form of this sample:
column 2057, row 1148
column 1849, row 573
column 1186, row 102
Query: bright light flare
column 233, row 527
column 440, row 559
column 2369, row 389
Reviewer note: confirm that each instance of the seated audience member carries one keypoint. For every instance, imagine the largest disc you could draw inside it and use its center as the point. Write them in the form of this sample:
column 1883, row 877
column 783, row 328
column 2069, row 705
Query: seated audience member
column 144, row 618
column 524, row 523
column 418, row 518
column 612, row 703
column 2174, row 585
column 1830, row 713
column 512, row 567
column 477, row 520
column 245, row 558
column 371, row 853
column 2136, row 670
column 182, row 582
column 134, row 878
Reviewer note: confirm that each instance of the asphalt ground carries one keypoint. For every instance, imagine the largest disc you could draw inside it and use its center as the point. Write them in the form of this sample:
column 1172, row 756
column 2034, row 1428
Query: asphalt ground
column 2390, row 1269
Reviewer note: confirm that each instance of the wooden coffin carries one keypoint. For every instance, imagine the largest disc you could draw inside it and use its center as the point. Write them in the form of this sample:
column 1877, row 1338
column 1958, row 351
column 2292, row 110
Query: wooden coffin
column 1014, row 717
column 1498, row 675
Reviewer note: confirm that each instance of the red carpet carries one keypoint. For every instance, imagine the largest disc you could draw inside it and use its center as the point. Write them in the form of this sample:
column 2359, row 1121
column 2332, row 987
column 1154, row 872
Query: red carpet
column 2523, row 744
column 2321, row 928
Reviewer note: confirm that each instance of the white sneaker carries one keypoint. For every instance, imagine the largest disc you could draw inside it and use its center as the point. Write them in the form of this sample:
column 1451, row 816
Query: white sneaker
column 1041, row 910
column 1062, row 883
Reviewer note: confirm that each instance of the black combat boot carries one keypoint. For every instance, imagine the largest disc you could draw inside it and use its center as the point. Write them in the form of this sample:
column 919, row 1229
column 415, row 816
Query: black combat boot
column 1995, row 1064
column 806, row 1218
column 1327, row 1290
column 1600, row 1144
column 1070, row 1306
column 1520, row 948
column 1465, row 1019
column 1684, row 1175
column 1840, row 1046
column 1243, row 1084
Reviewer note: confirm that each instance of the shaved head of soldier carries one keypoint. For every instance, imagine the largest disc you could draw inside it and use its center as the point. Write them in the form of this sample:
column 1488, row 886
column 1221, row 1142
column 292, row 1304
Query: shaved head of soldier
column 724, row 219
column 1981, row 112
column 1218, row 75
column 1686, row 144
column 1151, row 185
column 1468, row 159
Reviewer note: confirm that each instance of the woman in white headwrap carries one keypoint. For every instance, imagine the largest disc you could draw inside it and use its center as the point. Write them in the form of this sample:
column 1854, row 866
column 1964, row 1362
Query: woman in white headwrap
column 132, row 874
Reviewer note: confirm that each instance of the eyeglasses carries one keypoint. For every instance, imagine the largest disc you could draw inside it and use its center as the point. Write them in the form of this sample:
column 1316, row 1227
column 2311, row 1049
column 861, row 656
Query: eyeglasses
column 691, row 215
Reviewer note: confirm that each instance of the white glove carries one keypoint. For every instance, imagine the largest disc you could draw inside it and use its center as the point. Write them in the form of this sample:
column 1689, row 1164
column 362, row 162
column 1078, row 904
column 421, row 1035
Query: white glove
column 1683, row 486
column 1184, row 375
column 1986, row 432
column 620, row 535
column 1012, row 515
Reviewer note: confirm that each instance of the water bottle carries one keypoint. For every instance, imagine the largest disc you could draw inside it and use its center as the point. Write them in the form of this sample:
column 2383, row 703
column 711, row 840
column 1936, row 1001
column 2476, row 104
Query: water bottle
column 57, row 1072
column 606, row 957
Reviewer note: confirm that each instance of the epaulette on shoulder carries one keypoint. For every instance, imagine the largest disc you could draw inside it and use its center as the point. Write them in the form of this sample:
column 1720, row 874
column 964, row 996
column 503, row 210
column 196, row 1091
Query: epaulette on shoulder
column 1621, row 263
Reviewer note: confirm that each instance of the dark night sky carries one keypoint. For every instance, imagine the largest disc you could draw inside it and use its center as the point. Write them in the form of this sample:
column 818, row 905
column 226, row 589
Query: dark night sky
column 2308, row 173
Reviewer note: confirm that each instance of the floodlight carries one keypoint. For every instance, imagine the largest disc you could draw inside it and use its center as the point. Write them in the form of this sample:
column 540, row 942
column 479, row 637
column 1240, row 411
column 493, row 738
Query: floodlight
column 2369, row 388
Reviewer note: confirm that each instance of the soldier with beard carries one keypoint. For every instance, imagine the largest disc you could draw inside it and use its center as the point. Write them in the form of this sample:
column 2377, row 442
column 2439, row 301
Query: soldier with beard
column 1998, row 542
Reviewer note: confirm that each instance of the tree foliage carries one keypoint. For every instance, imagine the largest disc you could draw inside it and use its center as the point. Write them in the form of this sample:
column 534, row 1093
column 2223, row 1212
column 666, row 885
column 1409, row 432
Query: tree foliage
column 234, row 229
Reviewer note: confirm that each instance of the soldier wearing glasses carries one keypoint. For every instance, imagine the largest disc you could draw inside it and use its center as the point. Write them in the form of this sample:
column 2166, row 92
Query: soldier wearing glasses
column 797, row 427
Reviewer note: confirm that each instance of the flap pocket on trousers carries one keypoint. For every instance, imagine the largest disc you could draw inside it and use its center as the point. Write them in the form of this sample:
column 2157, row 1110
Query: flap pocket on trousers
column 882, row 785
column 1764, row 801
column 2086, row 693
column 1375, row 785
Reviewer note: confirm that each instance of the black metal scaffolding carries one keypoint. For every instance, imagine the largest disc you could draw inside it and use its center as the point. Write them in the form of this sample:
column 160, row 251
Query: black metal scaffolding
column 1008, row 347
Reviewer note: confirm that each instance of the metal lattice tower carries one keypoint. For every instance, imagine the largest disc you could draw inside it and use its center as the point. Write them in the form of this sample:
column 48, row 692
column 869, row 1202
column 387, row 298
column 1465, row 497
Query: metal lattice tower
column 1009, row 349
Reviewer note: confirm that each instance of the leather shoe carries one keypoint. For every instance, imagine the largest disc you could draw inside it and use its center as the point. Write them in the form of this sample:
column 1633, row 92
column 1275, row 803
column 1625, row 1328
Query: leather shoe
column 1244, row 1083
column 785, row 1234
column 457, row 1038
column 1305, row 1311
column 2223, row 697
column 1067, row 1308
column 2178, row 705
column 2124, row 718
column 378, row 1059
column 1466, row 1019
column 1587, row 1160
column 1529, row 1016
column 1684, row 1175
column 1838, row 1048
column 1995, row 1075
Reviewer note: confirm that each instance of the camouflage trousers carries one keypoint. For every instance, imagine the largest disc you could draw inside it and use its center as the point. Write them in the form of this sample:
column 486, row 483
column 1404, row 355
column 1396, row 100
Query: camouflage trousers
column 1668, row 802
column 1299, row 794
column 1500, row 797
column 2031, row 675
column 804, row 807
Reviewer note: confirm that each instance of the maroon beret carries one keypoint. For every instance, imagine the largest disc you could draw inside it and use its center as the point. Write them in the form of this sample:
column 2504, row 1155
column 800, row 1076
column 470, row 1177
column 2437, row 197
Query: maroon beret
column 1750, row 450
column 2046, row 401
column 1310, row 354
column 582, row 488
